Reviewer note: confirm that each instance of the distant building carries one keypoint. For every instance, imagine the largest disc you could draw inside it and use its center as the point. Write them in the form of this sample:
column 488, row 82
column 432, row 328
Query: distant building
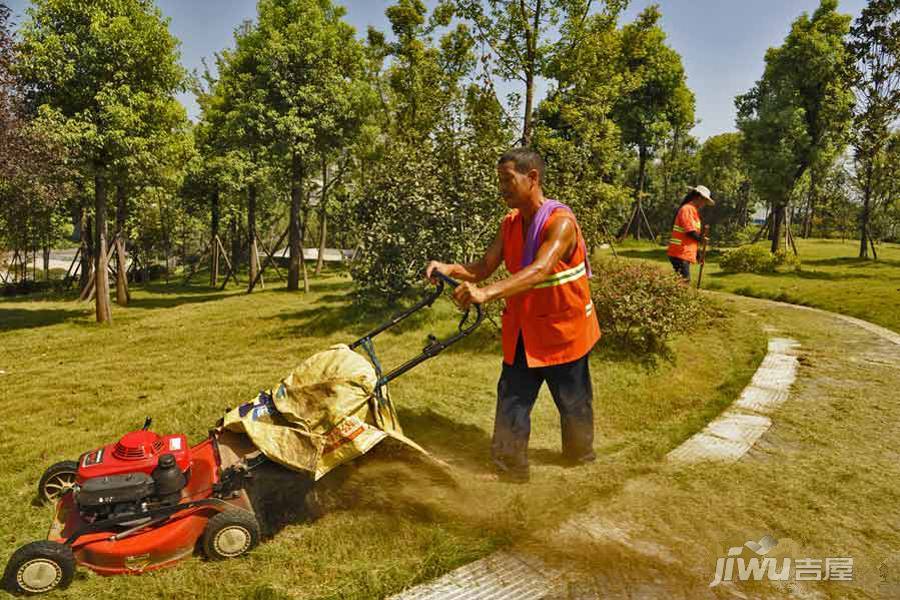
column 760, row 215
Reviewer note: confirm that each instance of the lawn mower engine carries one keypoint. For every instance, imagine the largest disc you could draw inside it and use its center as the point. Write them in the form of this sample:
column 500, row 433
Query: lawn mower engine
column 139, row 471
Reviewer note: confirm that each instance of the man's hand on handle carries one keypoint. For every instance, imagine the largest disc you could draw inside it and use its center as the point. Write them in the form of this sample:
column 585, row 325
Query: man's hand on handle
column 436, row 266
column 468, row 293
column 465, row 294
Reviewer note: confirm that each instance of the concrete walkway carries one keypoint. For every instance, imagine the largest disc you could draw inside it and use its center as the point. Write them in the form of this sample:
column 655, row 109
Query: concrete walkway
column 866, row 355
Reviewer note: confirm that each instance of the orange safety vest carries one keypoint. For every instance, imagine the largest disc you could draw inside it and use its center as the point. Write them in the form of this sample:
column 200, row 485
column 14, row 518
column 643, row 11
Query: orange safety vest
column 681, row 245
column 556, row 318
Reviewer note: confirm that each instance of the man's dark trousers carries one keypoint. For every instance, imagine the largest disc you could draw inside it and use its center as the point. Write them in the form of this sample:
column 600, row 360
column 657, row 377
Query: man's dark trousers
column 570, row 386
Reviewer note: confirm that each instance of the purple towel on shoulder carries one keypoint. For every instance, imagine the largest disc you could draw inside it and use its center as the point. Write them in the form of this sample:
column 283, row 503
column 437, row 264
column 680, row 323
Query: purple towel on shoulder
column 533, row 235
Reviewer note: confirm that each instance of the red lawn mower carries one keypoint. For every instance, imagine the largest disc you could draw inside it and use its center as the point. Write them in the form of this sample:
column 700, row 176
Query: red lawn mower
column 139, row 504
column 148, row 501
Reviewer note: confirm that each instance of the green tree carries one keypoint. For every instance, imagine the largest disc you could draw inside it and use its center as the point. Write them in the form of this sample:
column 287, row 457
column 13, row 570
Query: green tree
column 217, row 168
column 34, row 174
column 797, row 115
column 312, row 70
column 108, row 71
column 884, row 186
column 722, row 169
column 659, row 105
column 429, row 187
column 520, row 35
column 875, row 47
column 574, row 128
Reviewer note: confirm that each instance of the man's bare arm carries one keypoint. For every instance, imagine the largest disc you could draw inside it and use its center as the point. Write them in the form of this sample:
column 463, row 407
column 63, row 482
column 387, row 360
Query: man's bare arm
column 476, row 271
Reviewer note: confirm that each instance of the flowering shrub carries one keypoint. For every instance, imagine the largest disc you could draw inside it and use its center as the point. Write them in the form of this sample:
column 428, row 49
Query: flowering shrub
column 756, row 259
column 640, row 305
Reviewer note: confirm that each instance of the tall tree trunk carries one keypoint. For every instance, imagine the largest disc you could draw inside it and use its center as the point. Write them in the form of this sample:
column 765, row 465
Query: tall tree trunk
column 642, row 167
column 121, row 280
column 777, row 223
column 87, row 250
column 532, row 36
column 253, row 251
column 303, row 223
column 864, row 215
column 294, row 241
column 811, row 203
column 235, row 243
column 323, row 216
column 77, row 213
column 166, row 228
column 45, row 255
column 101, row 276
column 213, row 243
column 529, row 107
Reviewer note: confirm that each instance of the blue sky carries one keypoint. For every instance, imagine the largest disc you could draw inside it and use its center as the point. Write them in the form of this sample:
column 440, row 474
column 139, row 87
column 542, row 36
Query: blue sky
column 722, row 42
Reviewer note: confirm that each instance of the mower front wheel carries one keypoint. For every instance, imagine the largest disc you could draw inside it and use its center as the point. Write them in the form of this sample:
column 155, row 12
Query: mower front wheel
column 230, row 534
column 58, row 480
column 39, row 567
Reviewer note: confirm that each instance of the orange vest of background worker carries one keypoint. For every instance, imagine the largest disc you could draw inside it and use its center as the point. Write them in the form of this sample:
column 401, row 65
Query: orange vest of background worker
column 686, row 235
column 549, row 323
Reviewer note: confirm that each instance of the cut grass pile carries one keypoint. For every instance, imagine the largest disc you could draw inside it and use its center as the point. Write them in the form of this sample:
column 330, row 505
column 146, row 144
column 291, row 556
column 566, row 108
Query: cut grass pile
column 185, row 354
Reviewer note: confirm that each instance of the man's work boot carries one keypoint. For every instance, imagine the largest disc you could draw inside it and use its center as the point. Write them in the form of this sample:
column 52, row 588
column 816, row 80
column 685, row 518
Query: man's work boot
column 510, row 473
column 579, row 460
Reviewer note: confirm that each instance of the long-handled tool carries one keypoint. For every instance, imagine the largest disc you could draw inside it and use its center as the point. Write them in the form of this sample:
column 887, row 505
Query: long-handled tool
column 703, row 254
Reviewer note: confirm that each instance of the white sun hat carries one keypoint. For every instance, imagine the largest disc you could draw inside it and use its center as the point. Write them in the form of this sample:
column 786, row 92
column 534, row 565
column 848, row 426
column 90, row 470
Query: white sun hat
column 703, row 191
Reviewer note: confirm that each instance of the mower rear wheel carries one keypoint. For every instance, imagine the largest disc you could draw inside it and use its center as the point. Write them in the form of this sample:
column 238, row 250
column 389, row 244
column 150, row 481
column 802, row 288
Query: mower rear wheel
column 58, row 480
column 39, row 567
column 230, row 534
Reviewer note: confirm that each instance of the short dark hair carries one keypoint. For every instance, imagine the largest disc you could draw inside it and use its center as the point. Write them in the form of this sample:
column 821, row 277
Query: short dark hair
column 524, row 160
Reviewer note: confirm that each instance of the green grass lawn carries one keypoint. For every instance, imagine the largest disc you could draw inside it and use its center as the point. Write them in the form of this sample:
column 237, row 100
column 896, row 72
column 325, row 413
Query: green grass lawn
column 185, row 354
column 831, row 277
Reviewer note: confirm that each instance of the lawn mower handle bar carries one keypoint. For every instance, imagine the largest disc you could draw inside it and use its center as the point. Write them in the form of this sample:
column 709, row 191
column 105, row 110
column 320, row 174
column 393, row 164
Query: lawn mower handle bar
column 435, row 346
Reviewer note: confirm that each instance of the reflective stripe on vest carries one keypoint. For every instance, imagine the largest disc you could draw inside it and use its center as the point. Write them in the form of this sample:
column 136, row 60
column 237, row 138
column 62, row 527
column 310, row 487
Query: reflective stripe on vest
column 563, row 277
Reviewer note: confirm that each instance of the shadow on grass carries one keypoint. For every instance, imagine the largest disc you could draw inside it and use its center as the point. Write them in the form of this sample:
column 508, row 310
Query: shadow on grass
column 12, row 319
column 776, row 295
column 852, row 261
column 463, row 445
column 646, row 253
column 611, row 349
column 801, row 274
column 175, row 299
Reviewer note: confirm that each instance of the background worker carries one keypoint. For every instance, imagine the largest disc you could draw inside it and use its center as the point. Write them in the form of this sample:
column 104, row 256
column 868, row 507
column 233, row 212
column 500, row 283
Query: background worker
column 549, row 325
column 686, row 234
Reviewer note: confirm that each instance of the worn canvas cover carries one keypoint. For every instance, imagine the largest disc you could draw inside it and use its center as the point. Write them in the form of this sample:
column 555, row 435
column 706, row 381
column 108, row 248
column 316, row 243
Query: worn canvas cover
column 323, row 414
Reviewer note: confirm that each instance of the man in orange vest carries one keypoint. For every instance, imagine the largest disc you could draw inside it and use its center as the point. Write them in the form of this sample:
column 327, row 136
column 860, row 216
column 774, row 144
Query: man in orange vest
column 549, row 325
column 686, row 231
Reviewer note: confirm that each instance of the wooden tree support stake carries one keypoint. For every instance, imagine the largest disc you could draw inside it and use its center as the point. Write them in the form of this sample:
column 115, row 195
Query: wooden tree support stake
column 88, row 291
column 608, row 239
column 69, row 272
column 123, row 294
column 871, row 243
column 230, row 273
column 271, row 255
column 254, row 256
column 269, row 259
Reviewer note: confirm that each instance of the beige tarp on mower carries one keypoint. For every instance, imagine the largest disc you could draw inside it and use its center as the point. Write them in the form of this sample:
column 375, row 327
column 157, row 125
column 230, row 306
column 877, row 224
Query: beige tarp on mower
column 323, row 414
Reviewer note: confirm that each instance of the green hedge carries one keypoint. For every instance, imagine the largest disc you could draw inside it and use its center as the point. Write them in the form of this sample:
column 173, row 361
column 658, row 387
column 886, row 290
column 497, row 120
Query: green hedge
column 756, row 259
